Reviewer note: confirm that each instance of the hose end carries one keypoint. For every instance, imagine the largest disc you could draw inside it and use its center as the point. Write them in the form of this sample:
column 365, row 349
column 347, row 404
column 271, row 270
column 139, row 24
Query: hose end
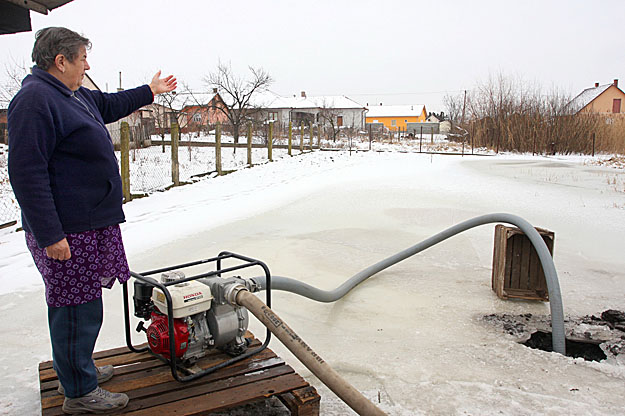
column 231, row 292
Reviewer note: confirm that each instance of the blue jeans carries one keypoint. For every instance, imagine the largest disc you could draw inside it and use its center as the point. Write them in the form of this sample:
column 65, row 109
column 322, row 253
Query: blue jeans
column 73, row 332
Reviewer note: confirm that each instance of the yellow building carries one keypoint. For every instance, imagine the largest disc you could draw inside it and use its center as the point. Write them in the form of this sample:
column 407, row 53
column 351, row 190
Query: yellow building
column 605, row 99
column 395, row 117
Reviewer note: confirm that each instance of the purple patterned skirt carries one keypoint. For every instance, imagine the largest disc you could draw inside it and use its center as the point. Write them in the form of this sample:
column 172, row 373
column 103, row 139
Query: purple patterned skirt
column 98, row 258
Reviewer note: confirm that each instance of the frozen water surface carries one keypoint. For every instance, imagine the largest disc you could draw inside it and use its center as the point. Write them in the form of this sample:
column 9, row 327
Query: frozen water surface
column 410, row 337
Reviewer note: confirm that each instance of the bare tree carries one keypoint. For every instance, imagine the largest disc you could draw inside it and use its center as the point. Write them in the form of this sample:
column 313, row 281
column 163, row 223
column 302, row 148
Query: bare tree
column 453, row 104
column 506, row 113
column 14, row 73
column 238, row 94
column 329, row 117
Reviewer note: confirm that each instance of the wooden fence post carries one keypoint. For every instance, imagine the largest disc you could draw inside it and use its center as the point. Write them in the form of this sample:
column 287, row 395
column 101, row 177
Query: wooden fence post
column 125, row 161
column 593, row 144
column 421, row 139
column 301, row 140
column 310, row 132
column 370, row 136
column 472, row 134
column 319, row 134
column 218, row 148
column 270, row 143
column 431, row 135
column 290, row 137
column 249, row 144
column 175, row 166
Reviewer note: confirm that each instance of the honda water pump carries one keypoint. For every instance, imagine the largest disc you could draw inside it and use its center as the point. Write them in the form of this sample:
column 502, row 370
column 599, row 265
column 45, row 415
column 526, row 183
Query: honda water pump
column 202, row 319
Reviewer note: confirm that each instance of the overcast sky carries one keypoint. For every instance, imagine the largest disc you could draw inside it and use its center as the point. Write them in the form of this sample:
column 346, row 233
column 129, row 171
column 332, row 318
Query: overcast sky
column 395, row 52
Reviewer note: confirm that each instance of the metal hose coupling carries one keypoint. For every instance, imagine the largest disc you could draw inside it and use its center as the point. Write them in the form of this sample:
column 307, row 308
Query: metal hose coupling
column 231, row 292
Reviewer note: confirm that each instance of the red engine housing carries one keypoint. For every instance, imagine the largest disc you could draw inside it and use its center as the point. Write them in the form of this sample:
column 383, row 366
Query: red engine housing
column 158, row 335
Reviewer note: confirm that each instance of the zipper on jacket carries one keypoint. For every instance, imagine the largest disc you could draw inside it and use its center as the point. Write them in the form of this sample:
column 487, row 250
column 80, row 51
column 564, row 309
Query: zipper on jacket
column 86, row 107
column 91, row 114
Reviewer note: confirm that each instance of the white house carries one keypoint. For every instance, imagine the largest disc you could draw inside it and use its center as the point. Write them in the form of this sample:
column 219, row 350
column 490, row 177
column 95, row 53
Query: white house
column 343, row 111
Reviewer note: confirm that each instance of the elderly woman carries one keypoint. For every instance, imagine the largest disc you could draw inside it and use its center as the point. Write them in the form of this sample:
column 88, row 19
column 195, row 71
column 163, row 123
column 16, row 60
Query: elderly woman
column 64, row 173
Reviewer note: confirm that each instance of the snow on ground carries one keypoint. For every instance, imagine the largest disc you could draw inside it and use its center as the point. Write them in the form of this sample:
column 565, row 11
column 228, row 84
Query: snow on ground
column 410, row 337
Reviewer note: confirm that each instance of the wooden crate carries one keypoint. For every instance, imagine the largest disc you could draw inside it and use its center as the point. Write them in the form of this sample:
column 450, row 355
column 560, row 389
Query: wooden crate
column 153, row 391
column 517, row 272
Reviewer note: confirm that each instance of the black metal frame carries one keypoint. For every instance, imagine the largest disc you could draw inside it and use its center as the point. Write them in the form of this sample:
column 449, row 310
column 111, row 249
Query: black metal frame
column 224, row 255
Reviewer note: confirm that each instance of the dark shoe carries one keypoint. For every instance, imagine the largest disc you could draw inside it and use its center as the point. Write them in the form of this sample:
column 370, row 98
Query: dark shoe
column 98, row 401
column 105, row 373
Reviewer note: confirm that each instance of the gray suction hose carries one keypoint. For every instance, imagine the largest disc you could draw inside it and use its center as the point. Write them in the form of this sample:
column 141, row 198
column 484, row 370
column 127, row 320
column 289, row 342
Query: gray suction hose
column 555, row 297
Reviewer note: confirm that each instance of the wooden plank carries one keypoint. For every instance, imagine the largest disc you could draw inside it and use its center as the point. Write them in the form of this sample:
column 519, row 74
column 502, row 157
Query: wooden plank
column 220, row 400
column 508, row 268
column 534, row 270
column 516, row 243
column 191, row 392
column 160, row 375
column 173, row 391
column 50, row 374
column 152, row 389
column 524, row 276
column 98, row 355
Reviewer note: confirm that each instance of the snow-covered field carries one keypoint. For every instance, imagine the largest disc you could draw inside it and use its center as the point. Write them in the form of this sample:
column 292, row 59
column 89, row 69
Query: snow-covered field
column 151, row 167
column 410, row 337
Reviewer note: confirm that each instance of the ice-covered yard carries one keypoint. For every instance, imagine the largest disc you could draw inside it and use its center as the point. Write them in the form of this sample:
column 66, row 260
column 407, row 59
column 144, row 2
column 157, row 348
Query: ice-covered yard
column 411, row 337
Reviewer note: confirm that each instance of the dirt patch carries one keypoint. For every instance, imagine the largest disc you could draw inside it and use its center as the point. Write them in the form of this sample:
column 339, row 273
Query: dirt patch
column 591, row 337
column 617, row 162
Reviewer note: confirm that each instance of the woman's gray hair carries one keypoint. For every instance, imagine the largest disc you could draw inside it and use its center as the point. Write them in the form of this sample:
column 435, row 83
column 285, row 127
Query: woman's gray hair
column 52, row 41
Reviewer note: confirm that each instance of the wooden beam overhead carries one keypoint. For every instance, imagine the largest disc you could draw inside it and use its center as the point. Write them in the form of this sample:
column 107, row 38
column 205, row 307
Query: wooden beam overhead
column 31, row 5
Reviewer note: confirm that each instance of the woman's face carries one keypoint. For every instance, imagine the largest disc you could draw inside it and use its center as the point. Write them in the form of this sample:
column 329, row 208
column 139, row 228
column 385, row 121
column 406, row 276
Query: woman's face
column 74, row 72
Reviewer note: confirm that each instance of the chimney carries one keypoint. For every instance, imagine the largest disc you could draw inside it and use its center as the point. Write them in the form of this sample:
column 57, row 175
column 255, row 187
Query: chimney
column 303, row 94
column 616, row 83
column 596, row 84
column 214, row 90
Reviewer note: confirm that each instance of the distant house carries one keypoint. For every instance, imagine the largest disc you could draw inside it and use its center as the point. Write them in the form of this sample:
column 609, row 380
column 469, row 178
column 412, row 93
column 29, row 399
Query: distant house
column 606, row 99
column 336, row 110
column 4, row 133
column 395, row 117
column 88, row 83
column 194, row 117
column 432, row 119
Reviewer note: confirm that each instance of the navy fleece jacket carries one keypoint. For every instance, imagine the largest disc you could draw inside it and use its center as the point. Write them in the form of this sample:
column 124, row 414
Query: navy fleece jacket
column 62, row 164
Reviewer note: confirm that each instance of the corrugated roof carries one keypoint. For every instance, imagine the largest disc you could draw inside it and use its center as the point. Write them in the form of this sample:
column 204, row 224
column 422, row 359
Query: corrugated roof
column 413, row 110
column 586, row 96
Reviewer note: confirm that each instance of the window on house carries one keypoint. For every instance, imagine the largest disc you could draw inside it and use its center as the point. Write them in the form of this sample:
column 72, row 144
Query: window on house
column 273, row 115
column 616, row 105
column 393, row 122
column 197, row 117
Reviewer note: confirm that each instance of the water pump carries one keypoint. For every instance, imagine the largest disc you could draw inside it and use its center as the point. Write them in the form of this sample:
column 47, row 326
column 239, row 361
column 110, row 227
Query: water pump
column 202, row 319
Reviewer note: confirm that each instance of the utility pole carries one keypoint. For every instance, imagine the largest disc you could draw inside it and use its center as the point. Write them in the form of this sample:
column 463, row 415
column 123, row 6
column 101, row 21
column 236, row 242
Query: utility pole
column 464, row 104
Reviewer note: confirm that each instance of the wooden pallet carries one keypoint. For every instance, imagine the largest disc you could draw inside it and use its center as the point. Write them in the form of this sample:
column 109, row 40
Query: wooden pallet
column 153, row 391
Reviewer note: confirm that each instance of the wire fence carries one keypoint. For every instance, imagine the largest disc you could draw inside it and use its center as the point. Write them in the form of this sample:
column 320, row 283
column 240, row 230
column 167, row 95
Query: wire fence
column 155, row 162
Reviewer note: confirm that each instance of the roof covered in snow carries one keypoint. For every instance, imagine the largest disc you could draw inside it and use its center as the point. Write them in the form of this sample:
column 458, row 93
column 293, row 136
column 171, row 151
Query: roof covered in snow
column 587, row 96
column 413, row 110
column 272, row 100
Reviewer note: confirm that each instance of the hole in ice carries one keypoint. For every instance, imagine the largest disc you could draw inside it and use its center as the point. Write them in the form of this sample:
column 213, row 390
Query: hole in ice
column 589, row 351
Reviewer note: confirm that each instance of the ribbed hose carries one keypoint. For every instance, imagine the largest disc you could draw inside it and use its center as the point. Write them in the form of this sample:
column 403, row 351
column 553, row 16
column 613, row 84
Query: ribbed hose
column 555, row 298
column 306, row 355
